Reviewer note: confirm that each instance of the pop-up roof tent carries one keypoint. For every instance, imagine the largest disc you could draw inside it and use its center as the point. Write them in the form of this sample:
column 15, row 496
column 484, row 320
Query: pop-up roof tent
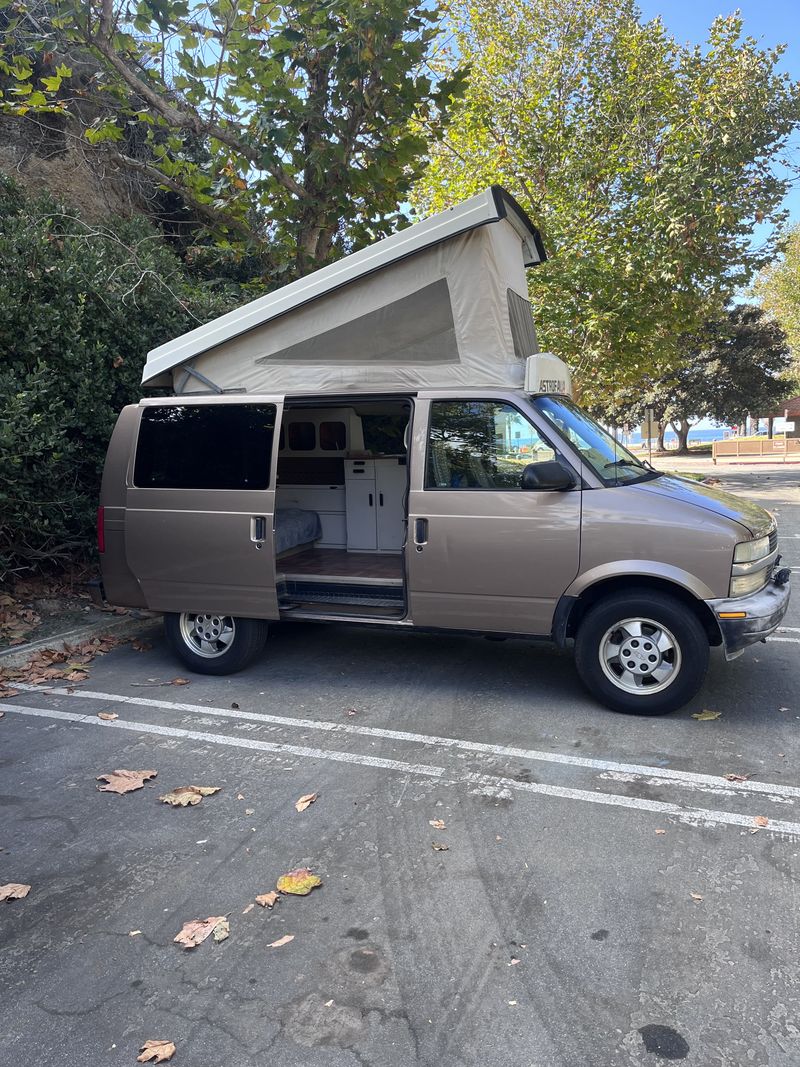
column 439, row 304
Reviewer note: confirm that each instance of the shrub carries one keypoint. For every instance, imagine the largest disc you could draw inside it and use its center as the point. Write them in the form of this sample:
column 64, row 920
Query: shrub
column 80, row 305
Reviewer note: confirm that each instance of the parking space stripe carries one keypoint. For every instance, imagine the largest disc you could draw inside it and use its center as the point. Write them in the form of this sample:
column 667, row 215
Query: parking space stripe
column 237, row 742
column 480, row 782
column 686, row 779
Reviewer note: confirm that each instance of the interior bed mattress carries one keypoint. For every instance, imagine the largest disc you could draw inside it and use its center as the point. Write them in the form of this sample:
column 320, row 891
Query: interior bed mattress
column 295, row 526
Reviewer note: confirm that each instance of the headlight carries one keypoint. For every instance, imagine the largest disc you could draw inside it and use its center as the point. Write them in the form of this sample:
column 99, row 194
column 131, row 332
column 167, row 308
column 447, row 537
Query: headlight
column 748, row 551
column 749, row 583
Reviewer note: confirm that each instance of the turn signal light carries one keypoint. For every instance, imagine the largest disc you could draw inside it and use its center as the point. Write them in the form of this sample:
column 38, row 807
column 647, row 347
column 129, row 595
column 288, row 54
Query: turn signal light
column 732, row 614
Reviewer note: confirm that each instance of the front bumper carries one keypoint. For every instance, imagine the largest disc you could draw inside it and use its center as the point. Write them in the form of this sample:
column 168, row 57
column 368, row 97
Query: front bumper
column 763, row 610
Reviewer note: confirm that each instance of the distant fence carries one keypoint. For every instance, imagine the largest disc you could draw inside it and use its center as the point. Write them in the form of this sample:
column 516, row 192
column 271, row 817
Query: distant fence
column 779, row 448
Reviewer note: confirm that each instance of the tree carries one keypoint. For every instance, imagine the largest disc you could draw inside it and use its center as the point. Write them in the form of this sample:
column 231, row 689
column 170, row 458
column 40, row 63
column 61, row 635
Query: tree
column 737, row 367
column 295, row 127
column 79, row 306
column 778, row 287
column 644, row 163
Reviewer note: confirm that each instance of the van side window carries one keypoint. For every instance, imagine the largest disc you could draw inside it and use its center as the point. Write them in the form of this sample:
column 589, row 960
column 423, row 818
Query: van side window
column 480, row 444
column 208, row 446
column 302, row 437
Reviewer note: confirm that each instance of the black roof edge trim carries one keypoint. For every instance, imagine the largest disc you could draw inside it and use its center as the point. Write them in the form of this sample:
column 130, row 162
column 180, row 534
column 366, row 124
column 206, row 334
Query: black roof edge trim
column 503, row 200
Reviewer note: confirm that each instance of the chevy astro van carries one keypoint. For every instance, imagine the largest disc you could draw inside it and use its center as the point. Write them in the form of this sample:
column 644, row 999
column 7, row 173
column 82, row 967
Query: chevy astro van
column 382, row 444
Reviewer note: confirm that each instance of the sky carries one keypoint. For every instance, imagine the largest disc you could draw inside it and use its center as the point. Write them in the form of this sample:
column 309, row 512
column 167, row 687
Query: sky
column 771, row 22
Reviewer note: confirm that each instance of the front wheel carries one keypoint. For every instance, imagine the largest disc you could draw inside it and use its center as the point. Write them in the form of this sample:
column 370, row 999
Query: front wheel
column 208, row 643
column 641, row 653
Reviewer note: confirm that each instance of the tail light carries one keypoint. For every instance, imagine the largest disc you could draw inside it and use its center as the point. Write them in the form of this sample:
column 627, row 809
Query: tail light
column 101, row 529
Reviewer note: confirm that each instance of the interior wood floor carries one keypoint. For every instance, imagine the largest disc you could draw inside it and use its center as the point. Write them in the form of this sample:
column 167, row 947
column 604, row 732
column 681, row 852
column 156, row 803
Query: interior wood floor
column 336, row 562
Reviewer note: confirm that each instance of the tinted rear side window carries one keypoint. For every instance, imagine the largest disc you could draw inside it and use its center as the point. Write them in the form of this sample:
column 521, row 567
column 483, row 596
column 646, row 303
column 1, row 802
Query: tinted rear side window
column 209, row 446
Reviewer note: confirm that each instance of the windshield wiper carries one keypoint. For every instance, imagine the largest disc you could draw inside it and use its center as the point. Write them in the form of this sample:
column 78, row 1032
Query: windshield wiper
column 625, row 463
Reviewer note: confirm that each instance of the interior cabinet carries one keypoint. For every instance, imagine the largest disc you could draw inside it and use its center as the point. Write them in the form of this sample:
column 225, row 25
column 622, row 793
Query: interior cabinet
column 375, row 492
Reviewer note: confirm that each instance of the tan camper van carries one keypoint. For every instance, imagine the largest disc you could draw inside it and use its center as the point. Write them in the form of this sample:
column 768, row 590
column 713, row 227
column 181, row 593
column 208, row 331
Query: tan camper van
column 380, row 443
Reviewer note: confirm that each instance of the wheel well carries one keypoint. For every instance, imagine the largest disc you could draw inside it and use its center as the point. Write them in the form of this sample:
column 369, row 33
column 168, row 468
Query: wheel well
column 630, row 584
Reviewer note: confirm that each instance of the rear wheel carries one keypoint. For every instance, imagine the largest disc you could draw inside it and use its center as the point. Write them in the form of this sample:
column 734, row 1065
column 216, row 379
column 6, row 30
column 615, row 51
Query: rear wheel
column 641, row 653
column 209, row 643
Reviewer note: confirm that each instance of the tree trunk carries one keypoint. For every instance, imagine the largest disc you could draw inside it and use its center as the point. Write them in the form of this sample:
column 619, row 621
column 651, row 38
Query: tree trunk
column 681, row 428
column 662, row 429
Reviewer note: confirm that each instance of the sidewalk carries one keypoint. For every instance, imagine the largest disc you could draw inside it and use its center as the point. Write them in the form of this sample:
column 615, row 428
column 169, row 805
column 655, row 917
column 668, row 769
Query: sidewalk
column 667, row 461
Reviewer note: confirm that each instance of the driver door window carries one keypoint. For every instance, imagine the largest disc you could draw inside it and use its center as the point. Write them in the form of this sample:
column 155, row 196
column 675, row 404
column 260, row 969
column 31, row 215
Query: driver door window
column 481, row 444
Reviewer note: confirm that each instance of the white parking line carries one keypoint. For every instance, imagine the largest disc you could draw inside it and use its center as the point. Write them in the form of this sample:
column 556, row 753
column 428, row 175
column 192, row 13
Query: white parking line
column 488, row 783
column 670, row 776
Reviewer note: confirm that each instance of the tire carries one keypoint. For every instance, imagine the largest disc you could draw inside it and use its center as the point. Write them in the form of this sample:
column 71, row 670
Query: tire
column 214, row 644
column 668, row 655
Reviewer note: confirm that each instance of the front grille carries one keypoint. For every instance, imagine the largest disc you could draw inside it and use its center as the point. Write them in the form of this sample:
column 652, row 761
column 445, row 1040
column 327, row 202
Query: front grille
column 773, row 541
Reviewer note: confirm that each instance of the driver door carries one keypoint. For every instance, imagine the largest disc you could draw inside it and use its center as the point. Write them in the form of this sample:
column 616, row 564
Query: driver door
column 482, row 553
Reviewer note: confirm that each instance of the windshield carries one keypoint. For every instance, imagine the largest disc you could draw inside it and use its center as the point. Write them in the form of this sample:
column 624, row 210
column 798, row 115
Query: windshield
column 607, row 457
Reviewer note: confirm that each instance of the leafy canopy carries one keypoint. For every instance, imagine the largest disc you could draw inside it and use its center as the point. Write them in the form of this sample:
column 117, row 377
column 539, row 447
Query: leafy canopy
column 778, row 287
column 646, row 164
column 298, row 127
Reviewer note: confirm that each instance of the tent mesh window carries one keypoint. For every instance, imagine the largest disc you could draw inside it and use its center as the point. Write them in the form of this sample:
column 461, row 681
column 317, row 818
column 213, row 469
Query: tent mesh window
column 523, row 330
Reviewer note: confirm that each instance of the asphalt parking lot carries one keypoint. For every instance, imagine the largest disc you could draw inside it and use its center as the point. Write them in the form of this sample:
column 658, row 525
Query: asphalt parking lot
column 606, row 897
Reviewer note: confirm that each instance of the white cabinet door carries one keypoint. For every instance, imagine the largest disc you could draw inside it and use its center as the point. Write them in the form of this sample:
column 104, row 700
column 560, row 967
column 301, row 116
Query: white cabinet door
column 390, row 485
column 361, row 534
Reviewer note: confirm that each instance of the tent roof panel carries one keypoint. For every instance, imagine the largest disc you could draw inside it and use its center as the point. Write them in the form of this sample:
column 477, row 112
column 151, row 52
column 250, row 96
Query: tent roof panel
column 492, row 205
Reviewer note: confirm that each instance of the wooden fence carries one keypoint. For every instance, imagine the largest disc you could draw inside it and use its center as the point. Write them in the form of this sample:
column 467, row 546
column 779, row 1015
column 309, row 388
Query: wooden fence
column 781, row 448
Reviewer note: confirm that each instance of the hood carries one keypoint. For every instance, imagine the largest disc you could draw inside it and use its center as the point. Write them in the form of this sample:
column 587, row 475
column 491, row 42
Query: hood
column 752, row 516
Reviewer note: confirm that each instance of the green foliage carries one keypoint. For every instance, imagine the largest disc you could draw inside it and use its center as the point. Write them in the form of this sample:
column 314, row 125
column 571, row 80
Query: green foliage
column 295, row 128
column 738, row 366
column 778, row 287
column 646, row 165
column 80, row 306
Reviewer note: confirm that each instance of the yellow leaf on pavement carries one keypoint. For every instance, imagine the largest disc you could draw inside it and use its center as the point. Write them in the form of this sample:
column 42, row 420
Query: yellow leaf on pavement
column 281, row 941
column 121, row 781
column 14, row 891
column 305, row 801
column 156, row 1052
column 299, row 882
column 706, row 716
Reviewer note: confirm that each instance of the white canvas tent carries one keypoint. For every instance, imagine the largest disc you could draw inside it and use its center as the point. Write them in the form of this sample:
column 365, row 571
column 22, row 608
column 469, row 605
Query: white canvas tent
column 441, row 303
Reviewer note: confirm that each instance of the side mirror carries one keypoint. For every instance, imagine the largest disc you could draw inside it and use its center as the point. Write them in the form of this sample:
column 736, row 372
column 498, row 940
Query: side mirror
column 547, row 475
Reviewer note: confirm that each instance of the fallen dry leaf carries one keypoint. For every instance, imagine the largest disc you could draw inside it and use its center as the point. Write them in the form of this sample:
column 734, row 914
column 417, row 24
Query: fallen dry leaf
column 761, row 820
column 737, row 777
column 281, row 941
column 305, row 801
column 6, row 693
column 249, row 811
column 107, row 716
column 784, row 709
column 239, row 796
column 437, row 824
column 179, row 681
column 195, row 932
column 134, row 933
column 140, row 646
column 14, row 891
column 249, row 907
column 76, row 676
column 2, row 714
column 222, row 930
column 351, row 712
column 188, row 795
column 437, row 847
column 661, row 831
column 695, row 896
column 706, row 716
column 298, row 883
column 122, row 781
column 266, row 900
column 156, row 1052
